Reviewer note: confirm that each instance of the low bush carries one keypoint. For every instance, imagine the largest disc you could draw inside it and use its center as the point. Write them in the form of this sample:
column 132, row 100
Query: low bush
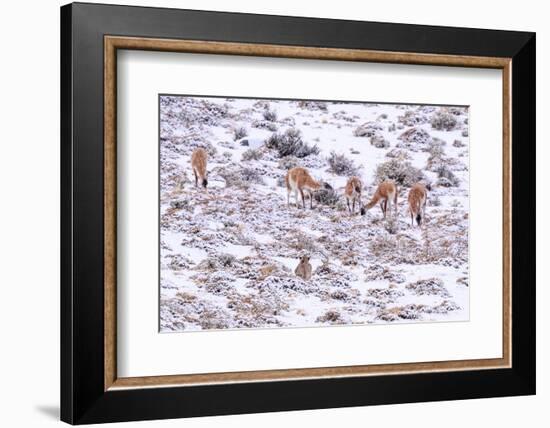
column 446, row 177
column 458, row 143
column 415, row 136
column 235, row 176
column 368, row 129
column 313, row 105
column 326, row 196
column 402, row 172
column 251, row 154
column 291, row 144
column 431, row 286
column 339, row 164
column 398, row 154
column 239, row 133
column 435, row 201
column 270, row 115
column 264, row 124
column 443, row 120
column 288, row 162
column 412, row 118
column 331, row 316
column 379, row 142
column 251, row 175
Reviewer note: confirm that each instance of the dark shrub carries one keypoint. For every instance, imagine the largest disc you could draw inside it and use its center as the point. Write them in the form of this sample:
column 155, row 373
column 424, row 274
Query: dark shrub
column 446, row 177
column 402, row 172
column 443, row 120
column 239, row 133
column 341, row 165
column 251, row 154
column 291, row 144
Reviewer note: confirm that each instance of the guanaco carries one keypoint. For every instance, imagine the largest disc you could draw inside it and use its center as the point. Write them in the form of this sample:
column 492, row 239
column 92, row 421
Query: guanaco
column 418, row 195
column 353, row 192
column 198, row 164
column 298, row 180
column 303, row 270
column 386, row 194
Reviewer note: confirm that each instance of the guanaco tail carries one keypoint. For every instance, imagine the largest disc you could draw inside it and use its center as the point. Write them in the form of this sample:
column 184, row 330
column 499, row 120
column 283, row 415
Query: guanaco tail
column 303, row 270
column 386, row 194
column 298, row 180
column 198, row 164
column 353, row 192
column 418, row 196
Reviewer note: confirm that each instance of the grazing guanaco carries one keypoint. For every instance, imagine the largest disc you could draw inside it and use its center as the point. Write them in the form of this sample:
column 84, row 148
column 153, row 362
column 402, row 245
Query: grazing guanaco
column 303, row 270
column 418, row 195
column 198, row 164
column 386, row 194
column 298, row 180
column 353, row 192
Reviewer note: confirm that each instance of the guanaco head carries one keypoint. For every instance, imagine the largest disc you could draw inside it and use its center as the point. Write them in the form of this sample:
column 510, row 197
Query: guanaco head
column 363, row 211
column 429, row 187
column 327, row 186
column 204, row 182
column 304, row 260
column 418, row 219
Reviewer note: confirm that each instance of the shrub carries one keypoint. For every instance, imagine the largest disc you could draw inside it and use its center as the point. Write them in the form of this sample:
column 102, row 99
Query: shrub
column 412, row 118
column 252, row 154
column 465, row 132
column 313, row 105
column 457, row 111
column 226, row 260
column 391, row 225
column 435, row 148
column 326, row 196
column 270, row 115
column 458, row 143
column 179, row 204
column 402, row 172
column 437, row 156
column 381, row 245
column 431, row 286
column 446, row 177
column 290, row 144
column 435, row 201
column 443, row 120
column 341, row 165
column 331, row 316
column 264, row 124
column 237, row 177
column 379, row 142
column 368, row 129
column 290, row 121
column 251, row 175
column 398, row 154
column 415, row 136
column 239, row 133
column 231, row 176
column 288, row 162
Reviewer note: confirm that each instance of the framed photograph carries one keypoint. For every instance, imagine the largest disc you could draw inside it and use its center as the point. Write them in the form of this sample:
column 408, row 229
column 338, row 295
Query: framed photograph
column 265, row 213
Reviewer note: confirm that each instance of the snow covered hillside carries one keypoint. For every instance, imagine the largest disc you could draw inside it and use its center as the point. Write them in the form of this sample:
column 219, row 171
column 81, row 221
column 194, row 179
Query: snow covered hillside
column 228, row 253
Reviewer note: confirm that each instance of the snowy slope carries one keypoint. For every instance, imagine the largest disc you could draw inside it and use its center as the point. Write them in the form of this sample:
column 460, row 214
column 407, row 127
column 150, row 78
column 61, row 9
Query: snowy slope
column 228, row 253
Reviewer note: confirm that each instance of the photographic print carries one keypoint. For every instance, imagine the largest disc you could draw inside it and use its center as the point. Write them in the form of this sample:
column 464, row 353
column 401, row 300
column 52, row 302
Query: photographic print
column 304, row 213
